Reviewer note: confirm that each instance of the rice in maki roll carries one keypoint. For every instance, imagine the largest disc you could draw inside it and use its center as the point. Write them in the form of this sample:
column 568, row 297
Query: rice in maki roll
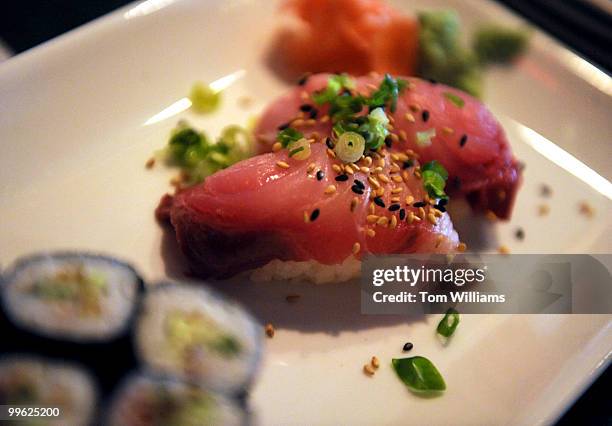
column 71, row 296
column 32, row 381
column 151, row 401
column 193, row 334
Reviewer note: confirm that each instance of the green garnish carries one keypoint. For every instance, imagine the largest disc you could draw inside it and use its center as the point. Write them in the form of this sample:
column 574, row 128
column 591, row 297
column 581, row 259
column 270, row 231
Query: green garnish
column 226, row 345
column 457, row 100
column 350, row 147
column 449, row 323
column 434, row 177
column 295, row 151
column 203, row 98
column 335, row 84
column 288, row 135
column 419, row 374
column 423, row 138
column 493, row 43
column 387, row 93
column 191, row 150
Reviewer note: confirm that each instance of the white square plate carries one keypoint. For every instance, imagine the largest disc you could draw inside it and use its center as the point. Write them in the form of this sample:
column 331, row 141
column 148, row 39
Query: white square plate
column 79, row 116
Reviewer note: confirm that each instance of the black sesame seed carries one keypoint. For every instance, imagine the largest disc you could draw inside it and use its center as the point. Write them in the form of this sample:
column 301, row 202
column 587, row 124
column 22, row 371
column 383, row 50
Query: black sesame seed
column 439, row 207
column 394, row 207
column 545, row 190
column 463, row 140
column 341, row 178
column 303, row 79
column 314, row 215
column 283, row 126
column 305, row 107
column 419, row 204
column 320, row 175
column 313, row 113
column 388, row 141
column 425, row 115
column 379, row 202
column 443, row 201
column 329, row 143
column 520, row 234
column 407, row 164
column 402, row 214
column 357, row 190
column 408, row 346
column 432, row 81
column 366, row 135
column 359, row 183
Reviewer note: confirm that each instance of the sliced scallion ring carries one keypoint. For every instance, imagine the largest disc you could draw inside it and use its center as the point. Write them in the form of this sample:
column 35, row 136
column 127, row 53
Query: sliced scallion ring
column 299, row 150
column 350, row 147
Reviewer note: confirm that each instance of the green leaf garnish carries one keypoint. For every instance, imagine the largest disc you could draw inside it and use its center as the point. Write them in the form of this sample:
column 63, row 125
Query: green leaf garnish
column 423, row 138
column 295, row 151
column 419, row 374
column 493, row 43
column 204, row 99
column 288, row 135
column 387, row 93
column 335, row 85
column 449, row 323
column 434, row 177
column 457, row 100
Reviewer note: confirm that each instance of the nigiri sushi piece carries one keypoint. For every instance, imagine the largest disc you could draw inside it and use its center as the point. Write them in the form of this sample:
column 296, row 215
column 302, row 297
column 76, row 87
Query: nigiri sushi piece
column 276, row 207
column 436, row 121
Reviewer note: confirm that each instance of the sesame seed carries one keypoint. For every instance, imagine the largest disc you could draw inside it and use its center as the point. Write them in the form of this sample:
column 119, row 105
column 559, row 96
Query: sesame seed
column 394, row 207
column 359, row 183
column 305, row 107
column 447, row 130
column 380, row 191
column 371, row 208
column 341, row 178
column 354, row 203
column 304, row 95
column 368, row 161
column 503, row 250
column 269, row 330
column 396, row 179
column 314, row 215
column 324, row 119
column 310, row 122
column 379, row 202
column 373, row 182
column 310, row 168
column 586, row 209
column 330, row 189
column 371, row 233
column 520, row 234
column 348, row 169
column 419, row 204
column 409, row 117
column 402, row 214
column 403, row 135
column 356, row 248
column 372, row 218
column 425, row 116
column 432, row 218
column 393, row 222
column 297, row 122
column 357, row 190
column 382, row 221
column 397, row 190
column 491, row 216
column 410, row 217
column 331, row 153
column 463, row 140
column 421, row 212
column 409, row 199
column 364, row 169
column 545, row 190
column 336, row 168
column 414, row 108
column 543, row 209
column 462, row 247
column 375, row 362
column 383, row 178
column 388, row 141
column 303, row 79
column 292, row 298
column 282, row 164
column 407, row 346
column 320, row 175
column 306, row 217
column 368, row 369
column 150, row 163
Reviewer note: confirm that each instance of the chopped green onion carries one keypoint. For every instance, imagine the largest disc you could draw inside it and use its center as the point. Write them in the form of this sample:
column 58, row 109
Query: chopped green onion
column 204, row 99
column 423, row 138
column 457, row 100
column 449, row 323
column 434, row 178
column 335, row 84
column 387, row 93
column 300, row 149
column 419, row 374
column 288, row 135
column 493, row 43
column 350, row 147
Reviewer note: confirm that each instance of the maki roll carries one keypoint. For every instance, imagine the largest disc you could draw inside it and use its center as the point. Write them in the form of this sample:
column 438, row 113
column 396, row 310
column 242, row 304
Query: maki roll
column 144, row 400
column 27, row 380
column 71, row 296
column 193, row 334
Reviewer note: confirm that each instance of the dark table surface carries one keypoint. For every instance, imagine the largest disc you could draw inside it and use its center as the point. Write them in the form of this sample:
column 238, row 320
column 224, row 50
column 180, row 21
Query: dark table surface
column 578, row 24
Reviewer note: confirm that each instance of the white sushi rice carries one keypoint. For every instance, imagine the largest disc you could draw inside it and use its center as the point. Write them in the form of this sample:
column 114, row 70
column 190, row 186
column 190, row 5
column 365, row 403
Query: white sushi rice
column 224, row 374
column 311, row 271
column 60, row 320
column 137, row 397
column 56, row 384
